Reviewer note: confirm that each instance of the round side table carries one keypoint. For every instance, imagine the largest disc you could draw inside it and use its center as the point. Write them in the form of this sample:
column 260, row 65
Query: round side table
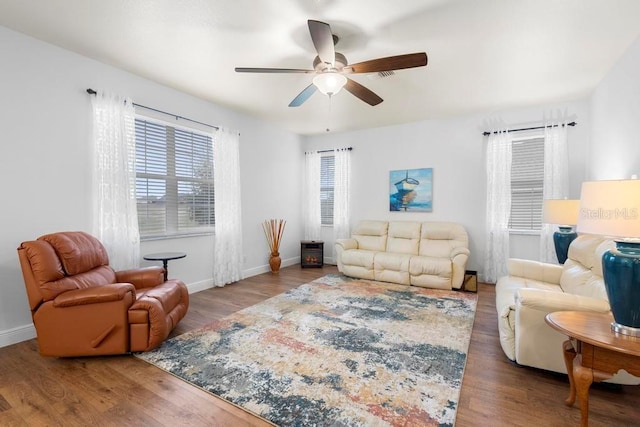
column 165, row 257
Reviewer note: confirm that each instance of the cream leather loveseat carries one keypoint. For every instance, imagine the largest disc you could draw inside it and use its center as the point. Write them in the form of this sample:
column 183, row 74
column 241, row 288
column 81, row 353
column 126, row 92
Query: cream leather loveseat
column 534, row 289
column 428, row 254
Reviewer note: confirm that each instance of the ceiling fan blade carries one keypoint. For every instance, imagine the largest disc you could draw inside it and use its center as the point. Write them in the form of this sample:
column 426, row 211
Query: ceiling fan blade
column 272, row 70
column 323, row 41
column 390, row 63
column 362, row 92
column 303, row 96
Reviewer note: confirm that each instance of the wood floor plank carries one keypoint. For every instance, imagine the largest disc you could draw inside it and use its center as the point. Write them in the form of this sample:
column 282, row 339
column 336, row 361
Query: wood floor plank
column 123, row 390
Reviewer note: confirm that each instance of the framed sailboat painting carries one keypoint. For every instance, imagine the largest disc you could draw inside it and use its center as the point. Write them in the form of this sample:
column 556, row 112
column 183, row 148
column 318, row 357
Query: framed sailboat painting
column 411, row 190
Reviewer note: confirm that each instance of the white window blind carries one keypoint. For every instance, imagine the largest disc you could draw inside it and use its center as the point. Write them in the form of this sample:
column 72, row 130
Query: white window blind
column 327, row 174
column 174, row 180
column 527, row 174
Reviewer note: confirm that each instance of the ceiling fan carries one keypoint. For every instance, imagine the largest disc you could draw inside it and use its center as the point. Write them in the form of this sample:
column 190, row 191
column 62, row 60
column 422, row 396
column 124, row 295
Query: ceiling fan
column 331, row 68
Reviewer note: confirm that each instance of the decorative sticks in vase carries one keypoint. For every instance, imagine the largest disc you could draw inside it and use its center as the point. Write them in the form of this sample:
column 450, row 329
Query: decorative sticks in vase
column 273, row 229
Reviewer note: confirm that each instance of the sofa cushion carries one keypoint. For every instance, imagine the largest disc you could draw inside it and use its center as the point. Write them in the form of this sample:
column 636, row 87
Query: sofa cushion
column 358, row 263
column 403, row 237
column 392, row 267
column 430, row 272
column 371, row 235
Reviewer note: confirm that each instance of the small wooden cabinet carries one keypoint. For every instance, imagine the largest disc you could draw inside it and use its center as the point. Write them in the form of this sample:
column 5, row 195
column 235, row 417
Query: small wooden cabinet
column 311, row 253
column 470, row 283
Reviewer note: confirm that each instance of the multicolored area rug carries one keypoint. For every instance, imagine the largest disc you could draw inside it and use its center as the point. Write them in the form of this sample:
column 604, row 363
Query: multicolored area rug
column 334, row 352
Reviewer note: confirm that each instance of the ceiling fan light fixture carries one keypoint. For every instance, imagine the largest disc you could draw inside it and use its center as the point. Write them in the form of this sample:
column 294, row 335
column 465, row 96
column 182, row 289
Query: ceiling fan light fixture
column 329, row 83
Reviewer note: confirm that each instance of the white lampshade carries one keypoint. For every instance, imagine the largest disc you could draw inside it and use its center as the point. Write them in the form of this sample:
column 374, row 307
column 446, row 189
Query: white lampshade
column 562, row 212
column 329, row 83
column 610, row 208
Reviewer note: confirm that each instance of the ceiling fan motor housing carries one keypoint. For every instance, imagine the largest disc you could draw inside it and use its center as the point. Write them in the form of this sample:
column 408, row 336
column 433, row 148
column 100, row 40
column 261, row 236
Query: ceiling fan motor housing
column 339, row 63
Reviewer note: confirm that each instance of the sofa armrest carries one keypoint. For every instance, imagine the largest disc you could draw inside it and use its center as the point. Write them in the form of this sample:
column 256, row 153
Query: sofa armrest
column 342, row 245
column 347, row 244
column 146, row 277
column 534, row 270
column 459, row 258
column 460, row 250
column 548, row 302
column 95, row 295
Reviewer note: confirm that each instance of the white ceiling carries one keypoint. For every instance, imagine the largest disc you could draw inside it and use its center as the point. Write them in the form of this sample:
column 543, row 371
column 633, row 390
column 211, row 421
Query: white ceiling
column 484, row 55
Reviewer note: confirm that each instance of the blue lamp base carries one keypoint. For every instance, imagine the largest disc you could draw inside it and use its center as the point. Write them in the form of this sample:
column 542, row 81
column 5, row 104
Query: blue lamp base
column 561, row 240
column 621, row 269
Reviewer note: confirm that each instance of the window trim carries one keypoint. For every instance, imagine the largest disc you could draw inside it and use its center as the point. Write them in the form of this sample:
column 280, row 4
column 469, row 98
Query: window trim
column 172, row 181
column 332, row 188
column 523, row 139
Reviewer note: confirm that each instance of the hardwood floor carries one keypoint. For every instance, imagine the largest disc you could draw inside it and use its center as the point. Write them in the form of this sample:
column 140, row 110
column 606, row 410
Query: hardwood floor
column 122, row 390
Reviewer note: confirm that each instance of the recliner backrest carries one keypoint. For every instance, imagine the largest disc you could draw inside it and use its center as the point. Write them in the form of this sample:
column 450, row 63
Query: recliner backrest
column 78, row 251
column 403, row 237
column 582, row 271
column 371, row 235
column 439, row 238
column 60, row 262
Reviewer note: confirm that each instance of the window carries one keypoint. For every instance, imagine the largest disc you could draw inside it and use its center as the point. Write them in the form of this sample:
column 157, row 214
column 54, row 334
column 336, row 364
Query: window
column 174, row 180
column 527, row 175
column 327, row 174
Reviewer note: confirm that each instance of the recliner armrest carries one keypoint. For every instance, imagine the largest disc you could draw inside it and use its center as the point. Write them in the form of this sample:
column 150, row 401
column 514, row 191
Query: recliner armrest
column 534, row 270
column 460, row 250
column 347, row 243
column 548, row 301
column 95, row 295
column 146, row 277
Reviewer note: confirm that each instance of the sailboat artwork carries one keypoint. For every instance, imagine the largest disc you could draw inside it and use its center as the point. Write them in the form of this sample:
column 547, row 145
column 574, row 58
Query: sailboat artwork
column 411, row 190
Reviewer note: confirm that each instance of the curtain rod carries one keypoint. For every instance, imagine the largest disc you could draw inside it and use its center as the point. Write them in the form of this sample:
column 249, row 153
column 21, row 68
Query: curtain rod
column 330, row 151
column 93, row 92
column 533, row 128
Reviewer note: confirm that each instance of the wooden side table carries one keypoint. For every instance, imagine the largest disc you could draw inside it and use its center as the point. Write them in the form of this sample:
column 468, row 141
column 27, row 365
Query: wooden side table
column 165, row 257
column 598, row 355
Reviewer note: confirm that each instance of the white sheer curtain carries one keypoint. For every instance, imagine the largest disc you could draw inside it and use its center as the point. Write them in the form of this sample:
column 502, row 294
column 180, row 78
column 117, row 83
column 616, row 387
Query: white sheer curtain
column 228, row 255
column 556, row 180
column 311, row 202
column 498, row 205
column 115, row 217
column 341, row 192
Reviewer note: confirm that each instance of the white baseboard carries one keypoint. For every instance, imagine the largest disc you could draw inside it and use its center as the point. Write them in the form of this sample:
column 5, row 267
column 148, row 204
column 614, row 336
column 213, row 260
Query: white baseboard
column 200, row 286
column 265, row 268
column 16, row 335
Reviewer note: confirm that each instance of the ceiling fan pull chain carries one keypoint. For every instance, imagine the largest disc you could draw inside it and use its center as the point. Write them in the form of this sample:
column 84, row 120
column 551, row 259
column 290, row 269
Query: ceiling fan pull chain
column 330, row 113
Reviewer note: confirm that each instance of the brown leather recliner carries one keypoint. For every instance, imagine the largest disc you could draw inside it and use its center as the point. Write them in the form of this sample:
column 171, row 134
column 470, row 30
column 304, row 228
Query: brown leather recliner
column 81, row 307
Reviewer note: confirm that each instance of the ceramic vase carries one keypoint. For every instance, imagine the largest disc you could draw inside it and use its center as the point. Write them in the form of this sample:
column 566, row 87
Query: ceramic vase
column 274, row 262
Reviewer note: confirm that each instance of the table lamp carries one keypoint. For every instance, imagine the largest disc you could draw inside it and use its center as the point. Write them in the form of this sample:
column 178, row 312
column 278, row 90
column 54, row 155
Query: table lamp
column 612, row 208
column 565, row 214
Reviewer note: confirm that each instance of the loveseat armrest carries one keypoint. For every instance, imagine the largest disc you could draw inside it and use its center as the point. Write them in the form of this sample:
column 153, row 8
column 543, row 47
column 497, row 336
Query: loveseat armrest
column 146, row 277
column 534, row 270
column 548, row 302
column 95, row 295
column 533, row 337
column 346, row 244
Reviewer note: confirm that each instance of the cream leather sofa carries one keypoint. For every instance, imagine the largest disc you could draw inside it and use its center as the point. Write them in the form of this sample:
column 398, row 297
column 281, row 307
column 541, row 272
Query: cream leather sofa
column 428, row 254
column 534, row 289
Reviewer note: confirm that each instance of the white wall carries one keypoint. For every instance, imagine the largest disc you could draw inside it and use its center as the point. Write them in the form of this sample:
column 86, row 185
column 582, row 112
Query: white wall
column 455, row 149
column 615, row 130
column 45, row 122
